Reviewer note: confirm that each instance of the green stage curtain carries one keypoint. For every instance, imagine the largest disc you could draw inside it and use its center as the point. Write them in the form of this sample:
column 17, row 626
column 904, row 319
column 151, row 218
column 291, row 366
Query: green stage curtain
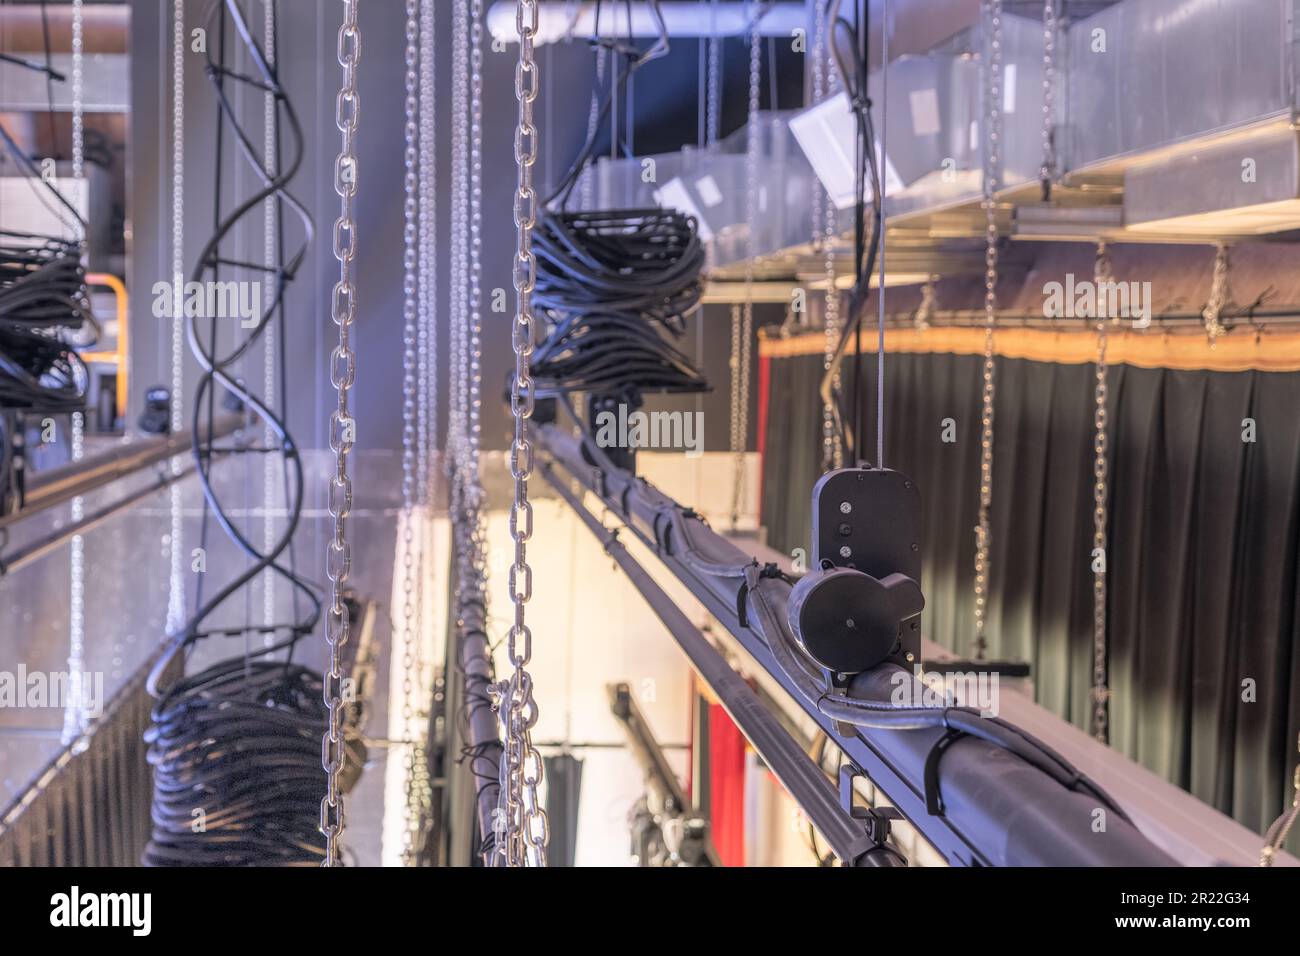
column 1202, row 556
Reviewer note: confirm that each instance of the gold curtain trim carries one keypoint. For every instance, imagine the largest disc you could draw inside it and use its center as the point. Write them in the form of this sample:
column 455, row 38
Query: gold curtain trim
column 1238, row 351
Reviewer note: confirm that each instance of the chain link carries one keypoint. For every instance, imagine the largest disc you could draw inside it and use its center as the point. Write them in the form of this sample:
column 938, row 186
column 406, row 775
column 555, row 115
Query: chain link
column 176, row 586
column 713, row 103
column 342, row 430
column 75, row 717
column 1047, row 172
column 925, row 311
column 742, row 324
column 413, row 334
column 832, row 449
column 1277, row 833
column 1212, row 314
column 1100, row 692
column 992, row 165
column 520, row 814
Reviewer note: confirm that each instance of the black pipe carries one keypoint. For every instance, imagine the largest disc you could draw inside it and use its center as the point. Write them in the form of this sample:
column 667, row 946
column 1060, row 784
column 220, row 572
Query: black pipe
column 802, row 779
column 997, row 810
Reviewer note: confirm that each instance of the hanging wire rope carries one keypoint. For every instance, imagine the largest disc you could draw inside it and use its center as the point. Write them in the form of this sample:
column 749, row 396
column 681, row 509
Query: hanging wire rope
column 1100, row 691
column 885, row 27
column 524, row 834
column 992, row 164
column 236, row 748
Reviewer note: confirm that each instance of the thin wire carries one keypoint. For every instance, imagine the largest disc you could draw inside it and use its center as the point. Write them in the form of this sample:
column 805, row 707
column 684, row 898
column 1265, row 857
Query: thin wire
column 880, row 295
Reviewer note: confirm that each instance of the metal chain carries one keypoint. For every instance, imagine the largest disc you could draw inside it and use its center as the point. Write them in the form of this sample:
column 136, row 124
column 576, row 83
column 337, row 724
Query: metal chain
column 75, row 717
column 832, row 449
column 342, row 431
column 992, row 161
column 475, row 295
column 742, row 332
column 1100, row 692
column 714, row 99
column 428, row 239
column 1047, row 172
column 925, row 311
column 1213, row 312
column 457, row 423
column 524, row 835
column 413, row 333
column 593, row 116
column 176, row 587
column 1278, row 832
column 736, row 443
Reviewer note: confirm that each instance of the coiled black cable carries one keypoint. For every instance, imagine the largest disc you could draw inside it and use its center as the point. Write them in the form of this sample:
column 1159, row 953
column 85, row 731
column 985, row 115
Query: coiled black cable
column 241, row 740
column 43, row 311
column 616, row 286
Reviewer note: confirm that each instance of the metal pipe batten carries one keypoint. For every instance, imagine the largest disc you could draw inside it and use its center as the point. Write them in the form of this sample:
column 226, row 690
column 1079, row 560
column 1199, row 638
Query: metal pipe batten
column 560, row 19
column 998, row 809
column 57, row 486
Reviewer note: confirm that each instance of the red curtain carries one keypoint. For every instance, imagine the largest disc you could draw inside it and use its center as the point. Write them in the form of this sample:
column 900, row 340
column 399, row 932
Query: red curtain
column 726, row 787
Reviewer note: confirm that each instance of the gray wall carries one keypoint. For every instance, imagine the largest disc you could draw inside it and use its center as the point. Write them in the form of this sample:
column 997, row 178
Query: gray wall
column 310, row 72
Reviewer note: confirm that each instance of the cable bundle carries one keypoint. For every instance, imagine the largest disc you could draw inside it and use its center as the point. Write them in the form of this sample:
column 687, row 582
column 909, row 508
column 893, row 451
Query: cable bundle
column 236, row 757
column 615, row 285
column 43, row 307
column 241, row 741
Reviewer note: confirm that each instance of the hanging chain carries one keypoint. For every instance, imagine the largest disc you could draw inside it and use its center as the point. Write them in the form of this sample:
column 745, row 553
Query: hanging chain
column 1100, row 691
column 1213, row 312
column 176, row 586
column 475, row 294
column 1277, row 833
column 427, row 282
column 412, row 488
column 75, row 715
column 342, row 431
column 1047, row 172
column 520, row 812
column 925, row 311
column 714, row 99
column 992, row 161
column 832, row 449
column 742, row 325
column 735, row 434
column 593, row 117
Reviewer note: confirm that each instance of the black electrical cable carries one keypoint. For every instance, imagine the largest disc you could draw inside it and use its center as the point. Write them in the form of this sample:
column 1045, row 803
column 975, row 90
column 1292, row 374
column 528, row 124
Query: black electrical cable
column 673, row 536
column 241, row 740
column 854, row 79
column 616, row 287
